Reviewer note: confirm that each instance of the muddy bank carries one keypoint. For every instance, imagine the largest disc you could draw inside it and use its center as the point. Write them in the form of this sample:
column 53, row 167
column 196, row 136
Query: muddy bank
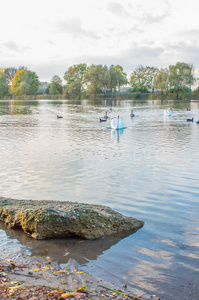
column 36, row 278
column 51, row 219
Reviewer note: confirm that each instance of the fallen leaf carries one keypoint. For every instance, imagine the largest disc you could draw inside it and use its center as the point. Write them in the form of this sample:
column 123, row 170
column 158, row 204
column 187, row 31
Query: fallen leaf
column 68, row 294
column 12, row 289
column 62, row 271
column 45, row 268
column 73, row 293
column 81, row 272
column 83, row 288
column 48, row 258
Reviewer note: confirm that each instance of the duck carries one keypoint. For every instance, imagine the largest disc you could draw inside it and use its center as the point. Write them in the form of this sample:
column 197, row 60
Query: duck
column 188, row 109
column 59, row 117
column 190, row 120
column 106, row 116
column 103, row 120
column 132, row 114
column 117, row 123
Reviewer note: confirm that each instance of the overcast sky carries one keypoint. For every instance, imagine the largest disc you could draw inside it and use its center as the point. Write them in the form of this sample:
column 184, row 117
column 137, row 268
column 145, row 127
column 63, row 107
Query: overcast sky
column 50, row 36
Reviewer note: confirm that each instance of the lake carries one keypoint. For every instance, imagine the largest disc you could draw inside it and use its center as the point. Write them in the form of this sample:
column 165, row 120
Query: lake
column 149, row 170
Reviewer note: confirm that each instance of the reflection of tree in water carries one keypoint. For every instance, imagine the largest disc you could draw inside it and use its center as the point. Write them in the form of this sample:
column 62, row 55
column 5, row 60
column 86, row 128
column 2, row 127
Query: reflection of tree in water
column 64, row 248
column 23, row 107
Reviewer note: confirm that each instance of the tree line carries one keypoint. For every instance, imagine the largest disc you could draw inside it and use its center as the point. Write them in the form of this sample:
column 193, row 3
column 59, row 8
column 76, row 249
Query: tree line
column 82, row 81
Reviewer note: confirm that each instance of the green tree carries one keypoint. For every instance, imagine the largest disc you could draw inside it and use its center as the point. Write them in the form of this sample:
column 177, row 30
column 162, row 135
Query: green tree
column 122, row 76
column 57, row 79
column 3, row 84
column 150, row 77
column 25, row 82
column 74, row 77
column 142, row 79
column 161, row 80
column 180, row 76
column 138, row 79
column 117, row 77
column 55, row 87
column 97, row 79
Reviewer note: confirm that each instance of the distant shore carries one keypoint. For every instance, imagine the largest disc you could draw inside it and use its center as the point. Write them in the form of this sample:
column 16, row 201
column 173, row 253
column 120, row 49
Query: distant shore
column 122, row 96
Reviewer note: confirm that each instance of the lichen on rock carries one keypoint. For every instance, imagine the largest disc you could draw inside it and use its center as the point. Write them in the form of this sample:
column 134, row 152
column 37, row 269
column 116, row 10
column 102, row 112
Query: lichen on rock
column 50, row 219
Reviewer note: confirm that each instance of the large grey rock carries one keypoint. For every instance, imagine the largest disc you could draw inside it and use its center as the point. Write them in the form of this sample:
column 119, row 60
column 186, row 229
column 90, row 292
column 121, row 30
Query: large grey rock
column 50, row 219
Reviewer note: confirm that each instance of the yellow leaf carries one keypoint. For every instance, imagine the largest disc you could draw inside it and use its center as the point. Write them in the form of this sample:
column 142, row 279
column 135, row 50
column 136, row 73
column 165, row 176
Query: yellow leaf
column 59, row 290
column 45, row 268
column 16, row 287
column 82, row 288
column 68, row 294
column 72, row 293
column 12, row 289
column 11, row 292
column 62, row 271
column 14, row 282
column 36, row 270
column 81, row 272
column 48, row 258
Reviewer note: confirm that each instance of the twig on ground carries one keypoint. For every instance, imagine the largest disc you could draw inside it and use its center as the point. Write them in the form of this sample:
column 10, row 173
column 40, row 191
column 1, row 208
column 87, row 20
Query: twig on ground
column 120, row 292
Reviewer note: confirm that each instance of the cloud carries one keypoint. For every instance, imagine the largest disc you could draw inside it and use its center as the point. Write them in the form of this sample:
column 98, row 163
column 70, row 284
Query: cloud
column 46, row 71
column 188, row 35
column 12, row 46
column 51, row 42
column 136, row 55
column 154, row 13
column 117, row 9
column 184, row 52
column 74, row 27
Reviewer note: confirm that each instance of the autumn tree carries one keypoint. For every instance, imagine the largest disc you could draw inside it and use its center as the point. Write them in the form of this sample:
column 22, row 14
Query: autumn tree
column 74, row 78
column 25, row 82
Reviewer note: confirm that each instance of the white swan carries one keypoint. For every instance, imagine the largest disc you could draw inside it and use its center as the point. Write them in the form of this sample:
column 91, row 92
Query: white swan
column 167, row 112
column 117, row 123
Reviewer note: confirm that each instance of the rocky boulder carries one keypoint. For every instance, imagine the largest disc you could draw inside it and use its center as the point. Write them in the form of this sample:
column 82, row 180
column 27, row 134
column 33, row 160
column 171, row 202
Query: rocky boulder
column 42, row 219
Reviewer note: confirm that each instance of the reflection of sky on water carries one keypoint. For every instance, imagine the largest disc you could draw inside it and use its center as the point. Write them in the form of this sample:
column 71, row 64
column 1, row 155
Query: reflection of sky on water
column 149, row 171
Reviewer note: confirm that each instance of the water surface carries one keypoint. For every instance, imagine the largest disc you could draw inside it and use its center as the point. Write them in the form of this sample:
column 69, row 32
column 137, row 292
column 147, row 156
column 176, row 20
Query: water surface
column 149, row 170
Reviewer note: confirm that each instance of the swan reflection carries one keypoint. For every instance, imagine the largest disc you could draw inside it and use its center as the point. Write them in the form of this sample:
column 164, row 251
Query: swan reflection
column 116, row 134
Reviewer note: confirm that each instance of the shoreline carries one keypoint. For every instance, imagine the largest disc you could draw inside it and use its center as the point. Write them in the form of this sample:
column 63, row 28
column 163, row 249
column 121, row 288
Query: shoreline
column 29, row 277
